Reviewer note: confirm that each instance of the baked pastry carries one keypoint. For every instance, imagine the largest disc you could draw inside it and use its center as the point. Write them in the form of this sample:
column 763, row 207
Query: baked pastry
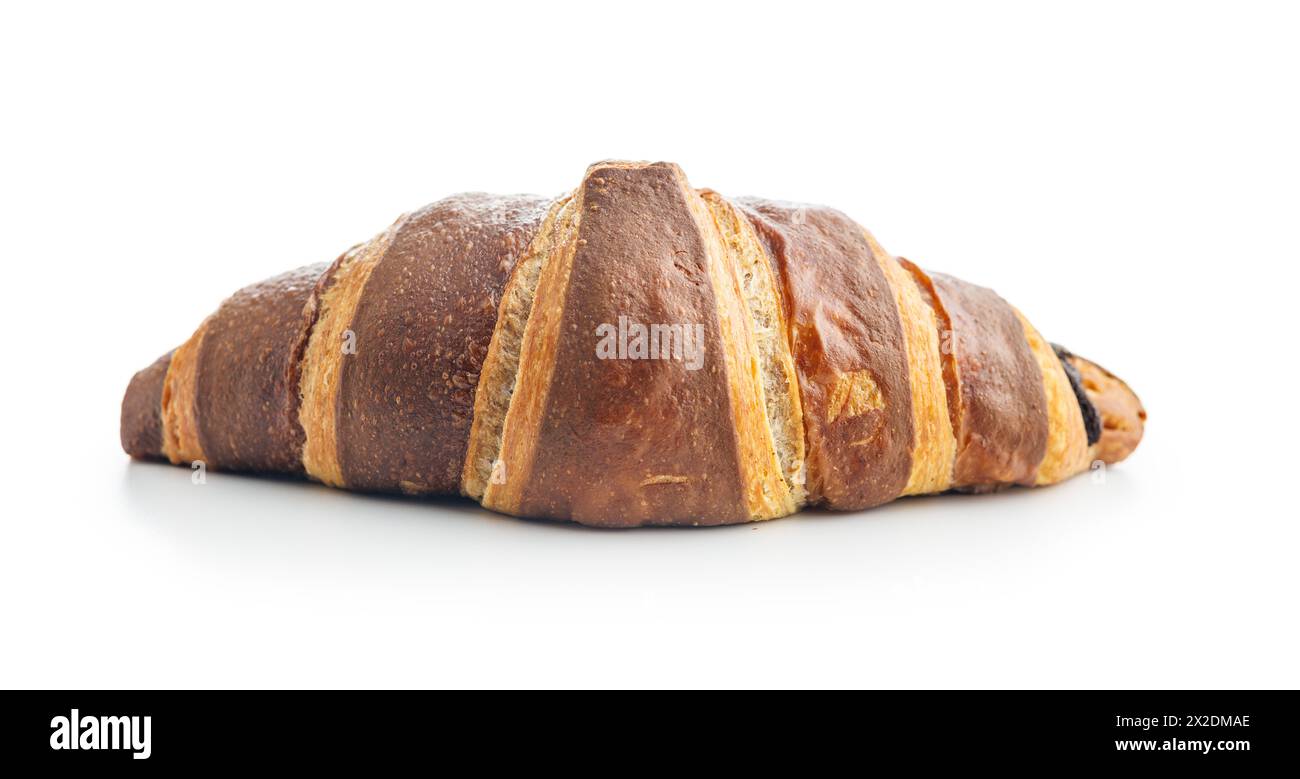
column 636, row 352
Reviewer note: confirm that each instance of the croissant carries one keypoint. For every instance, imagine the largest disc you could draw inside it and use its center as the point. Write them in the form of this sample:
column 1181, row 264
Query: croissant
column 636, row 352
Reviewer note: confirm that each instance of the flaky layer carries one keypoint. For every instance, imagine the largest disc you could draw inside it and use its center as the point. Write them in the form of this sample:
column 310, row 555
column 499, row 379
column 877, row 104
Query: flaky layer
column 934, row 448
column 767, row 493
column 849, row 353
column 501, row 367
column 779, row 384
column 331, row 343
column 179, row 411
column 502, row 489
column 1067, row 440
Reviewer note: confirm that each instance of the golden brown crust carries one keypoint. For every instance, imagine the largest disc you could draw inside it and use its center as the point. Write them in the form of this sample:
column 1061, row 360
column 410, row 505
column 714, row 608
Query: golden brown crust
column 246, row 383
column 632, row 439
column 423, row 325
column 141, row 429
column 829, row 371
column 849, row 351
column 1123, row 418
column 1001, row 422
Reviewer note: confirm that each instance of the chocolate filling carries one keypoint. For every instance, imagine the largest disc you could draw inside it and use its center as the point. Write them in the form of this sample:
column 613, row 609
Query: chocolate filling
column 1091, row 419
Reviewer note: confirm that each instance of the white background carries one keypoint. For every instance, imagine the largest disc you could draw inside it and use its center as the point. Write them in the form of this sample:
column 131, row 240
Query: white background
column 1126, row 173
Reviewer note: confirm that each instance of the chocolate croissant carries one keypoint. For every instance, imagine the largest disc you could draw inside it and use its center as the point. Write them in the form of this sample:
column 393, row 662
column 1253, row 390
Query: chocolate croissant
column 636, row 352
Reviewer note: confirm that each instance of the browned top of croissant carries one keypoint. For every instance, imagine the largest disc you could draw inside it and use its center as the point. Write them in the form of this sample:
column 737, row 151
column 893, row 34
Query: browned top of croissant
column 634, row 352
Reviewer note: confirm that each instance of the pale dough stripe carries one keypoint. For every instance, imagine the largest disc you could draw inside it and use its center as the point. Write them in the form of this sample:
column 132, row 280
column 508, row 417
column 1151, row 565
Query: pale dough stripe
column 522, row 426
column 323, row 360
column 780, row 384
column 766, row 494
column 180, row 421
column 496, row 384
column 1067, row 440
column 934, row 447
column 775, row 369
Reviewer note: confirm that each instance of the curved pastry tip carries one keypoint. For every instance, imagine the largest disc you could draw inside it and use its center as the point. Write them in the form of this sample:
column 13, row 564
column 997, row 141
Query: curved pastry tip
column 1122, row 416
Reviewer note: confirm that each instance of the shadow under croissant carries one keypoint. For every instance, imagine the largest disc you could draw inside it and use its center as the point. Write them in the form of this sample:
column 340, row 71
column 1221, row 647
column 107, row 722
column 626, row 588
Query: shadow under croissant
column 293, row 509
column 168, row 498
column 289, row 525
column 246, row 531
